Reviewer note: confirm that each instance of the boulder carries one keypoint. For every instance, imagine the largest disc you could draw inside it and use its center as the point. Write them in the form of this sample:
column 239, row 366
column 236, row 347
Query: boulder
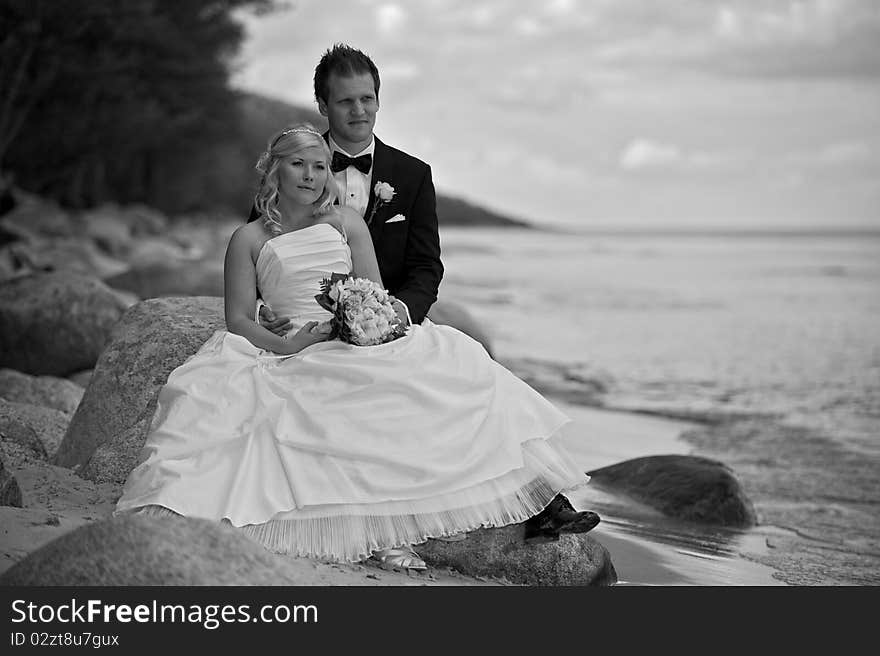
column 82, row 378
column 171, row 279
column 38, row 216
column 132, row 220
column 112, row 461
column 202, row 236
column 141, row 550
column 104, row 227
column 19, row 443
column 47, row 391
column 500, row 552
column 149, row 342
column 10, row 493
column 10, row 266
column 55, row 323
column 452, row 314
column 156, row 252
column 47, row 424
column 686, row 487
column 58, row 254
column 143, row 220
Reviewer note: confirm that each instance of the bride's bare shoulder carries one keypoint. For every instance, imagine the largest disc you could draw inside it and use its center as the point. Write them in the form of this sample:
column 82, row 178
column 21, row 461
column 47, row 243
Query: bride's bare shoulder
column 344, row 219
column 249, row 239
column 351, row 220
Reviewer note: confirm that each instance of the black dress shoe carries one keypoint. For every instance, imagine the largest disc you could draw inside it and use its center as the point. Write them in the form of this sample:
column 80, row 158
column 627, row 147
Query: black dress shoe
column 558, row 517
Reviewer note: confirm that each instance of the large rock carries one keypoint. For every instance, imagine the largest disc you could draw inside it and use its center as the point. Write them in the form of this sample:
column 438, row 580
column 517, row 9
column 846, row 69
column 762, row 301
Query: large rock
column 72, row 254
column 139, row 550
column 167, row 279
column 137, row 220
column 686, row 487
column 149, row 342
column 38, row 216
column 500, row 552
column 157, row 252
column 47, row 391
column 10, row 493
column 19, row 442
column 82, row 378
column 452, row 314
column 20, row 420
column 105, row 228
column 55, row 323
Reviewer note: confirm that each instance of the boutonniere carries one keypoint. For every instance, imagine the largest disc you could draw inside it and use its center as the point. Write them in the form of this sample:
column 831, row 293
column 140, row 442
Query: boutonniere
column 384, row 192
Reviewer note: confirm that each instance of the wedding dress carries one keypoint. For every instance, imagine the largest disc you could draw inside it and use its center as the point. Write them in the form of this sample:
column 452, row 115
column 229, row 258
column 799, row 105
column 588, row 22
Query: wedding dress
column 340, row 450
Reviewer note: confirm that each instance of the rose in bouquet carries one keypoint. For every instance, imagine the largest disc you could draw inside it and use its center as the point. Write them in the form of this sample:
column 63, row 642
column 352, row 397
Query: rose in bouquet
column 363, row 312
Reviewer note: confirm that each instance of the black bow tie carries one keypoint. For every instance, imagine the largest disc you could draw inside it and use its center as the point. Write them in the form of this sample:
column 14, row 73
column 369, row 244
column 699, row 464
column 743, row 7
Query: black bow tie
column 340, row 162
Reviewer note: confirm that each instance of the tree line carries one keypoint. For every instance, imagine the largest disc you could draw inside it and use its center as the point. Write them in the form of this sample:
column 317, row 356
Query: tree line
column 126, row 101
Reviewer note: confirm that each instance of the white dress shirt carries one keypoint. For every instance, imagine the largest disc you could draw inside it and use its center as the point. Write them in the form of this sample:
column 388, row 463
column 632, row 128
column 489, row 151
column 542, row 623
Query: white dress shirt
column 354, row 186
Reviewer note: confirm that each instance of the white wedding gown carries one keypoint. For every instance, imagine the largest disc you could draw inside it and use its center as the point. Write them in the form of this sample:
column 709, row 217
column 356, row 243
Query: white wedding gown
column 340, row 450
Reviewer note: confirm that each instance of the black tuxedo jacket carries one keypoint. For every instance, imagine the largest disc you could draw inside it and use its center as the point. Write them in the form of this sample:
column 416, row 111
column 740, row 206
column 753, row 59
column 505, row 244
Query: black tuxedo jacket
column 408, row 251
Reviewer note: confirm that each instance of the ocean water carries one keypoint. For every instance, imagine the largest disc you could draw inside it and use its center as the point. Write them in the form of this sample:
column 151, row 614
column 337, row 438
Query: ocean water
column 775, row 324
column 779, row 329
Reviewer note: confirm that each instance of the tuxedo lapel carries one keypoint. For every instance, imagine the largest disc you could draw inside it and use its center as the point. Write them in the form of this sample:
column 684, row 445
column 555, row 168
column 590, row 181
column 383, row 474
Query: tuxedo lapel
column 383, row 171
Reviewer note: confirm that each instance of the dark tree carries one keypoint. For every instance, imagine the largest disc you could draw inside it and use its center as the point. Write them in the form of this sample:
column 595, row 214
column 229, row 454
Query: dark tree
column 108, row 100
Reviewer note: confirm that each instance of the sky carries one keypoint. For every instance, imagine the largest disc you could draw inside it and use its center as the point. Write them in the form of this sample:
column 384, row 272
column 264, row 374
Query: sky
column 613, row 113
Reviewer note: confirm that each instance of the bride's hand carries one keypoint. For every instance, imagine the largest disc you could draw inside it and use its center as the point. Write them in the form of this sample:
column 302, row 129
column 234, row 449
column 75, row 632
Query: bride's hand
column 310, row 333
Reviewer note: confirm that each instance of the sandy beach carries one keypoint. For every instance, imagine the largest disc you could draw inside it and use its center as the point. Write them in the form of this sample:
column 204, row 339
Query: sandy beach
column 646, row 548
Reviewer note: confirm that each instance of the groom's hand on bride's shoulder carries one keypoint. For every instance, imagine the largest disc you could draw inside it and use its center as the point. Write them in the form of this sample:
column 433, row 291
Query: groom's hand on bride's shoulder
column 280, row 325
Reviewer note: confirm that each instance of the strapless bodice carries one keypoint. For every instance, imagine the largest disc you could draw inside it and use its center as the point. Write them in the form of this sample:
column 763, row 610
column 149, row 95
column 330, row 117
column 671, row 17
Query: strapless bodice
column 290, row 268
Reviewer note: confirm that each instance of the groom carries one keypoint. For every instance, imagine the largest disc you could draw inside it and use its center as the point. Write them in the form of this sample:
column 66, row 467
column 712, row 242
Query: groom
column 404, row 229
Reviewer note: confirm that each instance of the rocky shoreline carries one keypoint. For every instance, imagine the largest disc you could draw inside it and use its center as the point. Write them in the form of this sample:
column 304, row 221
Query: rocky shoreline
column 82, row 358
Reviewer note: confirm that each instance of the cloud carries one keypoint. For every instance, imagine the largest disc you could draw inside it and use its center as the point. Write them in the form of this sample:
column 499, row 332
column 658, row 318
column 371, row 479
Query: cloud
column 845, row 153
column 483, row 16
column 794, row 38
column 390, row 18
column 646, row 154
column 643, row 154
column 804, row 39
column 400, row 70
column 839, row 156
column 525, row 26
column 679, row 97
column 560, row 7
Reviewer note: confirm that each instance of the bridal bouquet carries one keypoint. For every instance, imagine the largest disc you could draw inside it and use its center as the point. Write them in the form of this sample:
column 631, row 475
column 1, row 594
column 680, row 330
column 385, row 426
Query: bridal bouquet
column 363, row 312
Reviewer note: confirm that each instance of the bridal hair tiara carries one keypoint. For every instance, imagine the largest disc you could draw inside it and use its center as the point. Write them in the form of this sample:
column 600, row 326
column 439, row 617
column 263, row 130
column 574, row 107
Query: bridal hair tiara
column 302, row 130
column 267, row 154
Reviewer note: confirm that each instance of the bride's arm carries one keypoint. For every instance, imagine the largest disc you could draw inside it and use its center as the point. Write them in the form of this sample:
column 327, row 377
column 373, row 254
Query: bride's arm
column 240, row 284
column 363, row 255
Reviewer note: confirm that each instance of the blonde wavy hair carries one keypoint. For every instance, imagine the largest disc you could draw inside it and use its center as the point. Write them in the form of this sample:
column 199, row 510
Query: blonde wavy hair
column 283, row 145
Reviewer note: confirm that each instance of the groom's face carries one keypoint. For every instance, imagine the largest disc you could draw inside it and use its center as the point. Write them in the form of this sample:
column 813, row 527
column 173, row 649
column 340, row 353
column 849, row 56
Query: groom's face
column 350, row 109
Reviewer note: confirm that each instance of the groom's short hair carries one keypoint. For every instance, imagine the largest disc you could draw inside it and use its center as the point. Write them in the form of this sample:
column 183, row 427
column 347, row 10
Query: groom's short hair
column 345, row 61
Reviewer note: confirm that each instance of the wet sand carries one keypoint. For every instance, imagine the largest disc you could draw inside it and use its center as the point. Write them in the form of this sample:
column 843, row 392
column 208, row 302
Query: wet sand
column 646, row 547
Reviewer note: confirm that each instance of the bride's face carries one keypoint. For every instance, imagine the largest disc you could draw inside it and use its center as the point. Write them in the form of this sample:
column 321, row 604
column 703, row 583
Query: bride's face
column 303, row 176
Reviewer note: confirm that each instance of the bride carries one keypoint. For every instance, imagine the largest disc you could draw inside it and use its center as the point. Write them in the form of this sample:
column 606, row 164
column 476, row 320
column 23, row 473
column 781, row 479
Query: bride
column 325, row 449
